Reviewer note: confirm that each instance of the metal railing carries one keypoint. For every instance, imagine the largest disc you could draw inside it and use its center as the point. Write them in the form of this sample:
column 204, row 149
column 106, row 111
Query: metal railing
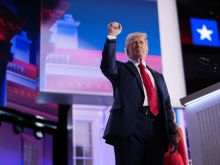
column 26, row 120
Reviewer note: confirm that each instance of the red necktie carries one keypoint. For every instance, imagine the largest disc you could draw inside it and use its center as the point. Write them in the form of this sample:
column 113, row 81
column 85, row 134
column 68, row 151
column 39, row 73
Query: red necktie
column 151, row 92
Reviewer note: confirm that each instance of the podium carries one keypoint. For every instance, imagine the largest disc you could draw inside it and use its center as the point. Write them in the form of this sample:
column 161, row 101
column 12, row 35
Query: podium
column 203, row 121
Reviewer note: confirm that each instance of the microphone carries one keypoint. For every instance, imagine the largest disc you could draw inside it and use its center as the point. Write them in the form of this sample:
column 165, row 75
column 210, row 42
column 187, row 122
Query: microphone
column 205, row 61
column 213, row 66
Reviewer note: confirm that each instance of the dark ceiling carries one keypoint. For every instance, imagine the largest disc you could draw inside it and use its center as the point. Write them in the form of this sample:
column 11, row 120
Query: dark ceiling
column 200, row 8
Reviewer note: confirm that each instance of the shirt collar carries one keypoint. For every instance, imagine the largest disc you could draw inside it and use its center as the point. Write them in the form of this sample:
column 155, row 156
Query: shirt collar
column 136, row 63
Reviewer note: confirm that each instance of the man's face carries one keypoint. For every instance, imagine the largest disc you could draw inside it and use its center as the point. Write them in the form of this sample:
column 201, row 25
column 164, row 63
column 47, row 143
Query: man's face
column 137, row 48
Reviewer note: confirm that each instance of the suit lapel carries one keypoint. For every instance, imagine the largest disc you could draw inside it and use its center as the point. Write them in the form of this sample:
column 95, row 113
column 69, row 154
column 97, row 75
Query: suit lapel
column 135, row 72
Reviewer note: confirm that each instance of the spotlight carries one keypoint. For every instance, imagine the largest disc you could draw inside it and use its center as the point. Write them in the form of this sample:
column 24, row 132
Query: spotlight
column 38, row 134
column 17, row 129
column 39, row 124
column 39, row 117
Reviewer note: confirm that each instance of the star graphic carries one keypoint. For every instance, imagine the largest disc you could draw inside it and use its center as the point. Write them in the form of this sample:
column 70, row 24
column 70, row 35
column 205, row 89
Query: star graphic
column 205, row 33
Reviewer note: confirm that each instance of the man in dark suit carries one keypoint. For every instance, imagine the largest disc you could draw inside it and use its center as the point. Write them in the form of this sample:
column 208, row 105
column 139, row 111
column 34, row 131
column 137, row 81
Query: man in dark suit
column 140, row 125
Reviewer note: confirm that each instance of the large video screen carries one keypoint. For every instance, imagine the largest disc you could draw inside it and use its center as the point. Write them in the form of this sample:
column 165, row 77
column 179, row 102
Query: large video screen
column 72, row 37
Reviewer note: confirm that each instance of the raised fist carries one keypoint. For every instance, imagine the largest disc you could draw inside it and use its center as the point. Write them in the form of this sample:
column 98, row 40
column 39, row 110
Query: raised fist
column 114, row 28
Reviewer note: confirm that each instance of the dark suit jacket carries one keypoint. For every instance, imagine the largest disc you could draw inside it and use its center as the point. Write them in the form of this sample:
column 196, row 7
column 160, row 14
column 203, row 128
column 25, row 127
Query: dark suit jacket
column 129, row 96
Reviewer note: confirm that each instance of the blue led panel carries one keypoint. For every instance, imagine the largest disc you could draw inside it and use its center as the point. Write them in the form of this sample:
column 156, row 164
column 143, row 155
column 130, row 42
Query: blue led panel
column 204, row 32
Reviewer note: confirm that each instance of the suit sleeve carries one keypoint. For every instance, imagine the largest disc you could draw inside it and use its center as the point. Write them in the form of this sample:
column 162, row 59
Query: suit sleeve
column 169, row 111
column 182, row 148
column 108, row 63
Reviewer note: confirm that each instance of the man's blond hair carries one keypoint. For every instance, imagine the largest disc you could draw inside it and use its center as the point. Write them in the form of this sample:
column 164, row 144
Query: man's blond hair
column 132, row 35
